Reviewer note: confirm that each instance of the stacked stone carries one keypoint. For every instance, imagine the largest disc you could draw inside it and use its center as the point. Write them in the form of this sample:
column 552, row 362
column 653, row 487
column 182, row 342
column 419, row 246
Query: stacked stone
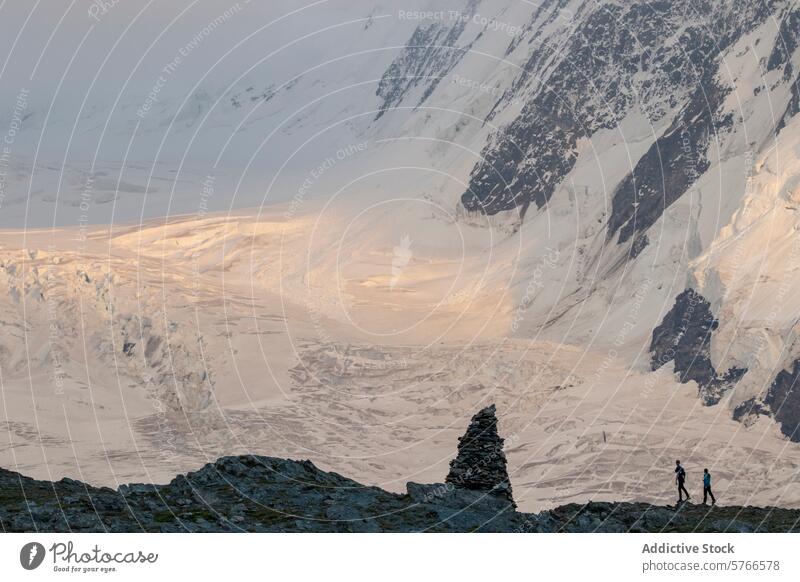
column 481, row 463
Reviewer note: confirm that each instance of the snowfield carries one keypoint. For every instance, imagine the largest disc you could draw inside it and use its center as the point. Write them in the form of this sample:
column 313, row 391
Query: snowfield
column 147, row 349
column 336, row 231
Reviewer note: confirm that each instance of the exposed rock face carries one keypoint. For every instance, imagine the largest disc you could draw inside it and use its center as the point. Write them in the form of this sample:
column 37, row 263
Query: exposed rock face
column 481, row 462
column 427, row 58
column 684, row 337
column 658, row 57
column 781, row 402
column 641, row 198
column 748, row 411
column 783, row 399
column 785, row 45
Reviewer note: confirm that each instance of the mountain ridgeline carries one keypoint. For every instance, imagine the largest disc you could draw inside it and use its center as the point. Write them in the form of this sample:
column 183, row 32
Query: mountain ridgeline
column 264, row 494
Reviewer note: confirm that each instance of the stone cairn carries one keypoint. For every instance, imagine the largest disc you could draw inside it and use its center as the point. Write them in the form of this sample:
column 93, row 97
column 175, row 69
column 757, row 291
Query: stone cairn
column 481, row 463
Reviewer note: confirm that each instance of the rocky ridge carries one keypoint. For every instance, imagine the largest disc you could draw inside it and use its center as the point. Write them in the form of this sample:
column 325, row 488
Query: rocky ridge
column 263, row 494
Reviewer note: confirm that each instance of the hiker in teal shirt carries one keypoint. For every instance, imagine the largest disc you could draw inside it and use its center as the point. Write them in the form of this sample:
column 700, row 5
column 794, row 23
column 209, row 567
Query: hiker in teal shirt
column 707, row 488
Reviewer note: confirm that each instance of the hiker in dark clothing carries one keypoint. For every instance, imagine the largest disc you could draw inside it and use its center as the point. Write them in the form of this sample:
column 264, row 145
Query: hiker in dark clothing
column 707, row 488
column 680, row 479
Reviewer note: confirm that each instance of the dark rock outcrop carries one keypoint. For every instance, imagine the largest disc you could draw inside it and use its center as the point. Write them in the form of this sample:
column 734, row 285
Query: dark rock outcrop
column 481, row 463
column 684, row 337
column 428, row 57
column 749, row 410
column 613, row 58
column 783, row 399
column 786, row 43
column 672, row 164
column 786, row 40
column 781, row 402
column 793, row 107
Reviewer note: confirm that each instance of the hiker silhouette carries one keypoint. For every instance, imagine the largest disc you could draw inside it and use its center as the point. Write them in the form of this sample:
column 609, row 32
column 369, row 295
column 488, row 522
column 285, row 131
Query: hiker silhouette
column 707, row 488
column 680, row 479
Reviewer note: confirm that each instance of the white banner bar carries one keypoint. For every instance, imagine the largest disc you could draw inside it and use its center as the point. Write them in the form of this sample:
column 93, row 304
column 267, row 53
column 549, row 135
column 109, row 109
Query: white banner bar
column 419, row 557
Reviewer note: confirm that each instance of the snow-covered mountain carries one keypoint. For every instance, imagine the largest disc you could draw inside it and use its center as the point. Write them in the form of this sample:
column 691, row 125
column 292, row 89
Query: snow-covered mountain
column 335, row 230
